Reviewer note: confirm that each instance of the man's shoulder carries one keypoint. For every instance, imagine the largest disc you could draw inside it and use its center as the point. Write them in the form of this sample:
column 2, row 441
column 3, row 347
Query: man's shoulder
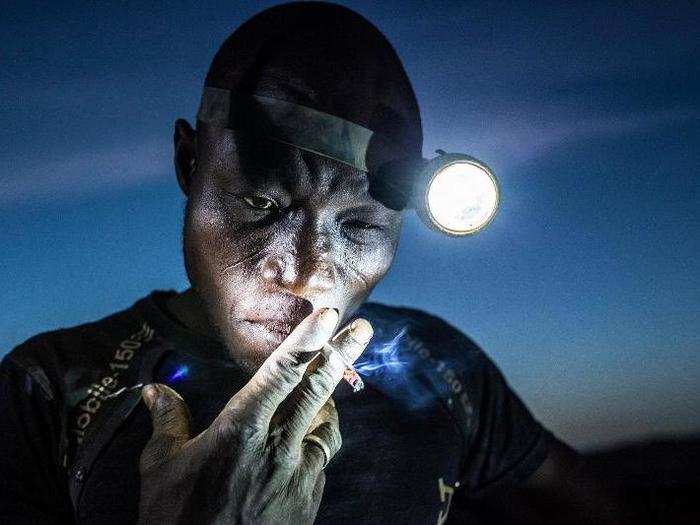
column 388, row 311
column 414, row 347
column 418, row 328
column 55, row 356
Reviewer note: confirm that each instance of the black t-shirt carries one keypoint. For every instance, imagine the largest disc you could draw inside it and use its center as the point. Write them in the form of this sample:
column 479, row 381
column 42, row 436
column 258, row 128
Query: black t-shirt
column 435, row 426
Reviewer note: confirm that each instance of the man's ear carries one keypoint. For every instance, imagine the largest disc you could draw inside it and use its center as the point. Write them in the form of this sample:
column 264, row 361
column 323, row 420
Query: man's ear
column 185, row 139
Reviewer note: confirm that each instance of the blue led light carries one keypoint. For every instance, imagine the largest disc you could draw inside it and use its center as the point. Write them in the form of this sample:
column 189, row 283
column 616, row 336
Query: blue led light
column 181, row 371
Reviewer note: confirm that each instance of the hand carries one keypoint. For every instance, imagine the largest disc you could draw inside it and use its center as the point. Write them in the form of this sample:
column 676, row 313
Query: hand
column 262, row 459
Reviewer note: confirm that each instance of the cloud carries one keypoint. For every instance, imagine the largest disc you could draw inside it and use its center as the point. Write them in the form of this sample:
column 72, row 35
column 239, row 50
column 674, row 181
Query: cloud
column 545, row 137
column 519, row 137
column 85, row 172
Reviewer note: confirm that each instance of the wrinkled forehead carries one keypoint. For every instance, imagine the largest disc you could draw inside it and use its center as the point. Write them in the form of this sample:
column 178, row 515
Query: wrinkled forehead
column 260, row 162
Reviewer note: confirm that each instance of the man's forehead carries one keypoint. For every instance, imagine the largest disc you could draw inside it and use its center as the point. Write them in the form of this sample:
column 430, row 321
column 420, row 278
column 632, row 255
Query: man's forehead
column 300, row 171
column 260, row 161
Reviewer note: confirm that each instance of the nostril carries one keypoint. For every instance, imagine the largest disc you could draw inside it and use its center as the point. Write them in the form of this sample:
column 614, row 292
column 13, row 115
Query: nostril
column 272, row 269
column 280, row 269
column 325, row 269
column 322, row 275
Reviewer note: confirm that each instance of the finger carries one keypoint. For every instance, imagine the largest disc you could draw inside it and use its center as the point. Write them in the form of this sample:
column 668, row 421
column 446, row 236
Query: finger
column 327, row 413
column 317, row 493
column 316, row 387
column 283, row 369
column 171, row 423
column 319, row 447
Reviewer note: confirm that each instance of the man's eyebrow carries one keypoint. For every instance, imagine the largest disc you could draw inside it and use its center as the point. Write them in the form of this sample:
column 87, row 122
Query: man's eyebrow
column 350, row 179
column 365, row 203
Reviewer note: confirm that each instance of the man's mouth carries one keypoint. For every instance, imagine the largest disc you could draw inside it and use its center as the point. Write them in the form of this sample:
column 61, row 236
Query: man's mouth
column 276, row 328
column 274, row 320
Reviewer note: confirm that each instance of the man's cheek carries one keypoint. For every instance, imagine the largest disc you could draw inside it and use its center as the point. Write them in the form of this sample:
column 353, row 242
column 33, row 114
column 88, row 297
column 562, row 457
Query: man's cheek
column 367, row 265
column 205, row 228
column 224, row 241
column 231, row 304
column 240, row 289
column 210, row 258
column 359, row 274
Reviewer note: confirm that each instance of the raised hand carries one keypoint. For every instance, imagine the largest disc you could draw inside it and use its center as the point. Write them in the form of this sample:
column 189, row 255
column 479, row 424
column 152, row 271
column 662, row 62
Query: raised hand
column 262, row 458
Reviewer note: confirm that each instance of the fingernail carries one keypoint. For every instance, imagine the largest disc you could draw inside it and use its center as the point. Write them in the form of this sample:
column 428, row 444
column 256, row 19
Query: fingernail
column 149, row 394
column 329, row 318
column 361, row 331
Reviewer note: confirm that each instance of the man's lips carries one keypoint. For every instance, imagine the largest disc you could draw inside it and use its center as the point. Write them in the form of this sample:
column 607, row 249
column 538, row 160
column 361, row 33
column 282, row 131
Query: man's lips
column 275, row 317
column 276, row 326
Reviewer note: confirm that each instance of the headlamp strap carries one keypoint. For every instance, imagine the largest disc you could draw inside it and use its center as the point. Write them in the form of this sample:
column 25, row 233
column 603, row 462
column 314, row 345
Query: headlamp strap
column 296, row 125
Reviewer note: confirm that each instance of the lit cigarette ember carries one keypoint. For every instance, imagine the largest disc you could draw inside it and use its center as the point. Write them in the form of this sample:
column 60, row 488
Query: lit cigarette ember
column 353, row 379
column 350, row 375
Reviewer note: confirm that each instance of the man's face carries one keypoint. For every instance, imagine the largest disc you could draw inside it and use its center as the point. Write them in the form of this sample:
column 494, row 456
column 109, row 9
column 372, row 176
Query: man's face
column 272, row 232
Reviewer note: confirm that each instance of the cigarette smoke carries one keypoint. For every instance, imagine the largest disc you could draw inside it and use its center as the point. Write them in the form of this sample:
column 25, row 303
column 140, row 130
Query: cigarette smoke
column 384, row 359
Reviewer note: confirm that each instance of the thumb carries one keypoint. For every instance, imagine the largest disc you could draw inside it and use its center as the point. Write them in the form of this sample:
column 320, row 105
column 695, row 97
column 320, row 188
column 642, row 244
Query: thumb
column 171, row 423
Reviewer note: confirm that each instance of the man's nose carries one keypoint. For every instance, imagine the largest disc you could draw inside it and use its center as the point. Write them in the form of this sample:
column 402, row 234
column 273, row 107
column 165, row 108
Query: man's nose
column 305, row 267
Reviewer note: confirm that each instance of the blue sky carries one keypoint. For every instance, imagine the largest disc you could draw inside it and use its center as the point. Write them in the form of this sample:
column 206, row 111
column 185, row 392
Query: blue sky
column 585, row 289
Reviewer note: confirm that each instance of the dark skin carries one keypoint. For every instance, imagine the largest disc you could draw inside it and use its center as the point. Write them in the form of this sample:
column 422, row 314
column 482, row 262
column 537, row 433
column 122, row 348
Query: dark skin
column 271, row 233
column 274, row 237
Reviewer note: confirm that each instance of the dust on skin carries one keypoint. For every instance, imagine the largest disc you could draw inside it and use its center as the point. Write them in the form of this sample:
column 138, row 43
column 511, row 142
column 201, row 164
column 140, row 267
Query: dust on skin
column 271, row 233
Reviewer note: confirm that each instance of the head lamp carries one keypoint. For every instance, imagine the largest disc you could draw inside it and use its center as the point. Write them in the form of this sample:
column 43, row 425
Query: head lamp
column 456, row 194
column 452, row 193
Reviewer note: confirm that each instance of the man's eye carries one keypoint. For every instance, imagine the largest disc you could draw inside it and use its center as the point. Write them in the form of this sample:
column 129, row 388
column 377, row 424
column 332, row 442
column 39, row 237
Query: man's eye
column 259, row 203
column 361, row 225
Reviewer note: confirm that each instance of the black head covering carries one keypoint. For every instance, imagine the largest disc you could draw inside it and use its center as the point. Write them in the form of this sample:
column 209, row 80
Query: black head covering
column 326, row 57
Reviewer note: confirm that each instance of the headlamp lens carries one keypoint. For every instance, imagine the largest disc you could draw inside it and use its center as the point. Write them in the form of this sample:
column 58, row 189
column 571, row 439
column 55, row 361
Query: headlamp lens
column 462, row 197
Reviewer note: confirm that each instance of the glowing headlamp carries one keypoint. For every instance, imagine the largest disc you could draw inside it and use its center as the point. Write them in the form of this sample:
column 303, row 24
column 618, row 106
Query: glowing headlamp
column 456, row 194
column 453, row 193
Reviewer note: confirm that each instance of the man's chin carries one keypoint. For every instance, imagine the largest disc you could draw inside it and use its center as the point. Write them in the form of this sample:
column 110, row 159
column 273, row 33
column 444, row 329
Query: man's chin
column 252, row 342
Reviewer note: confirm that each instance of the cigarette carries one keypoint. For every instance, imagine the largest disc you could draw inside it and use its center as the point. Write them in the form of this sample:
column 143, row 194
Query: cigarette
column 350, row 375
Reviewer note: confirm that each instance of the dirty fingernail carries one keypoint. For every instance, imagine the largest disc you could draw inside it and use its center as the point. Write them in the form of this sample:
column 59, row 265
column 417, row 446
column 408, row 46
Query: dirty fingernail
column 149, row 394
column 329, row 317
column 361, row 330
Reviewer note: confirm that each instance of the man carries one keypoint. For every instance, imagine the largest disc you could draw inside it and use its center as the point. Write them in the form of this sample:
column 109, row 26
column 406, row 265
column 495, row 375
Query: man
column 241, row 418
